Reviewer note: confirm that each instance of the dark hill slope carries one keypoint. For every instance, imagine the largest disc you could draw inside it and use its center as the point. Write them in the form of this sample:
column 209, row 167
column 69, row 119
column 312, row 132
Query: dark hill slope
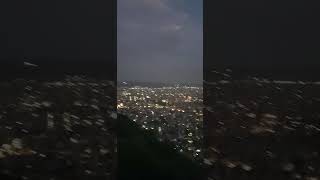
column 141, row 157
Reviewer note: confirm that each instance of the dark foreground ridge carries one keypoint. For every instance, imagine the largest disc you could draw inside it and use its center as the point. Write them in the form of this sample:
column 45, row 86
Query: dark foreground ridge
column 142, row 156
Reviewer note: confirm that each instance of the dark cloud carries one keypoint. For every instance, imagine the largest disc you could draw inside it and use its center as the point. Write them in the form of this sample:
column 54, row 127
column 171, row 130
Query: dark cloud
column 72, row 29
column 62, row 37
column 262, row 34
column 159, row 41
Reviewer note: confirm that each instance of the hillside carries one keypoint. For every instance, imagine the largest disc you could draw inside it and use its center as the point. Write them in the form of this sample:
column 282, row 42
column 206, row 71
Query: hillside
column 141, row 156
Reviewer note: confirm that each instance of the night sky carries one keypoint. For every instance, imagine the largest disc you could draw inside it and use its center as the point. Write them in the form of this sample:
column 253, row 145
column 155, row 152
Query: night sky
column 160, row 40
column 77, row 35
column 277, row 38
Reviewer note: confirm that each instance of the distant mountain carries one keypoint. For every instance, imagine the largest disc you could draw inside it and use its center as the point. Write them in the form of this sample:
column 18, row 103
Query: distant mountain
column 56, row 69
column 154, row 84
column 290, row 72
